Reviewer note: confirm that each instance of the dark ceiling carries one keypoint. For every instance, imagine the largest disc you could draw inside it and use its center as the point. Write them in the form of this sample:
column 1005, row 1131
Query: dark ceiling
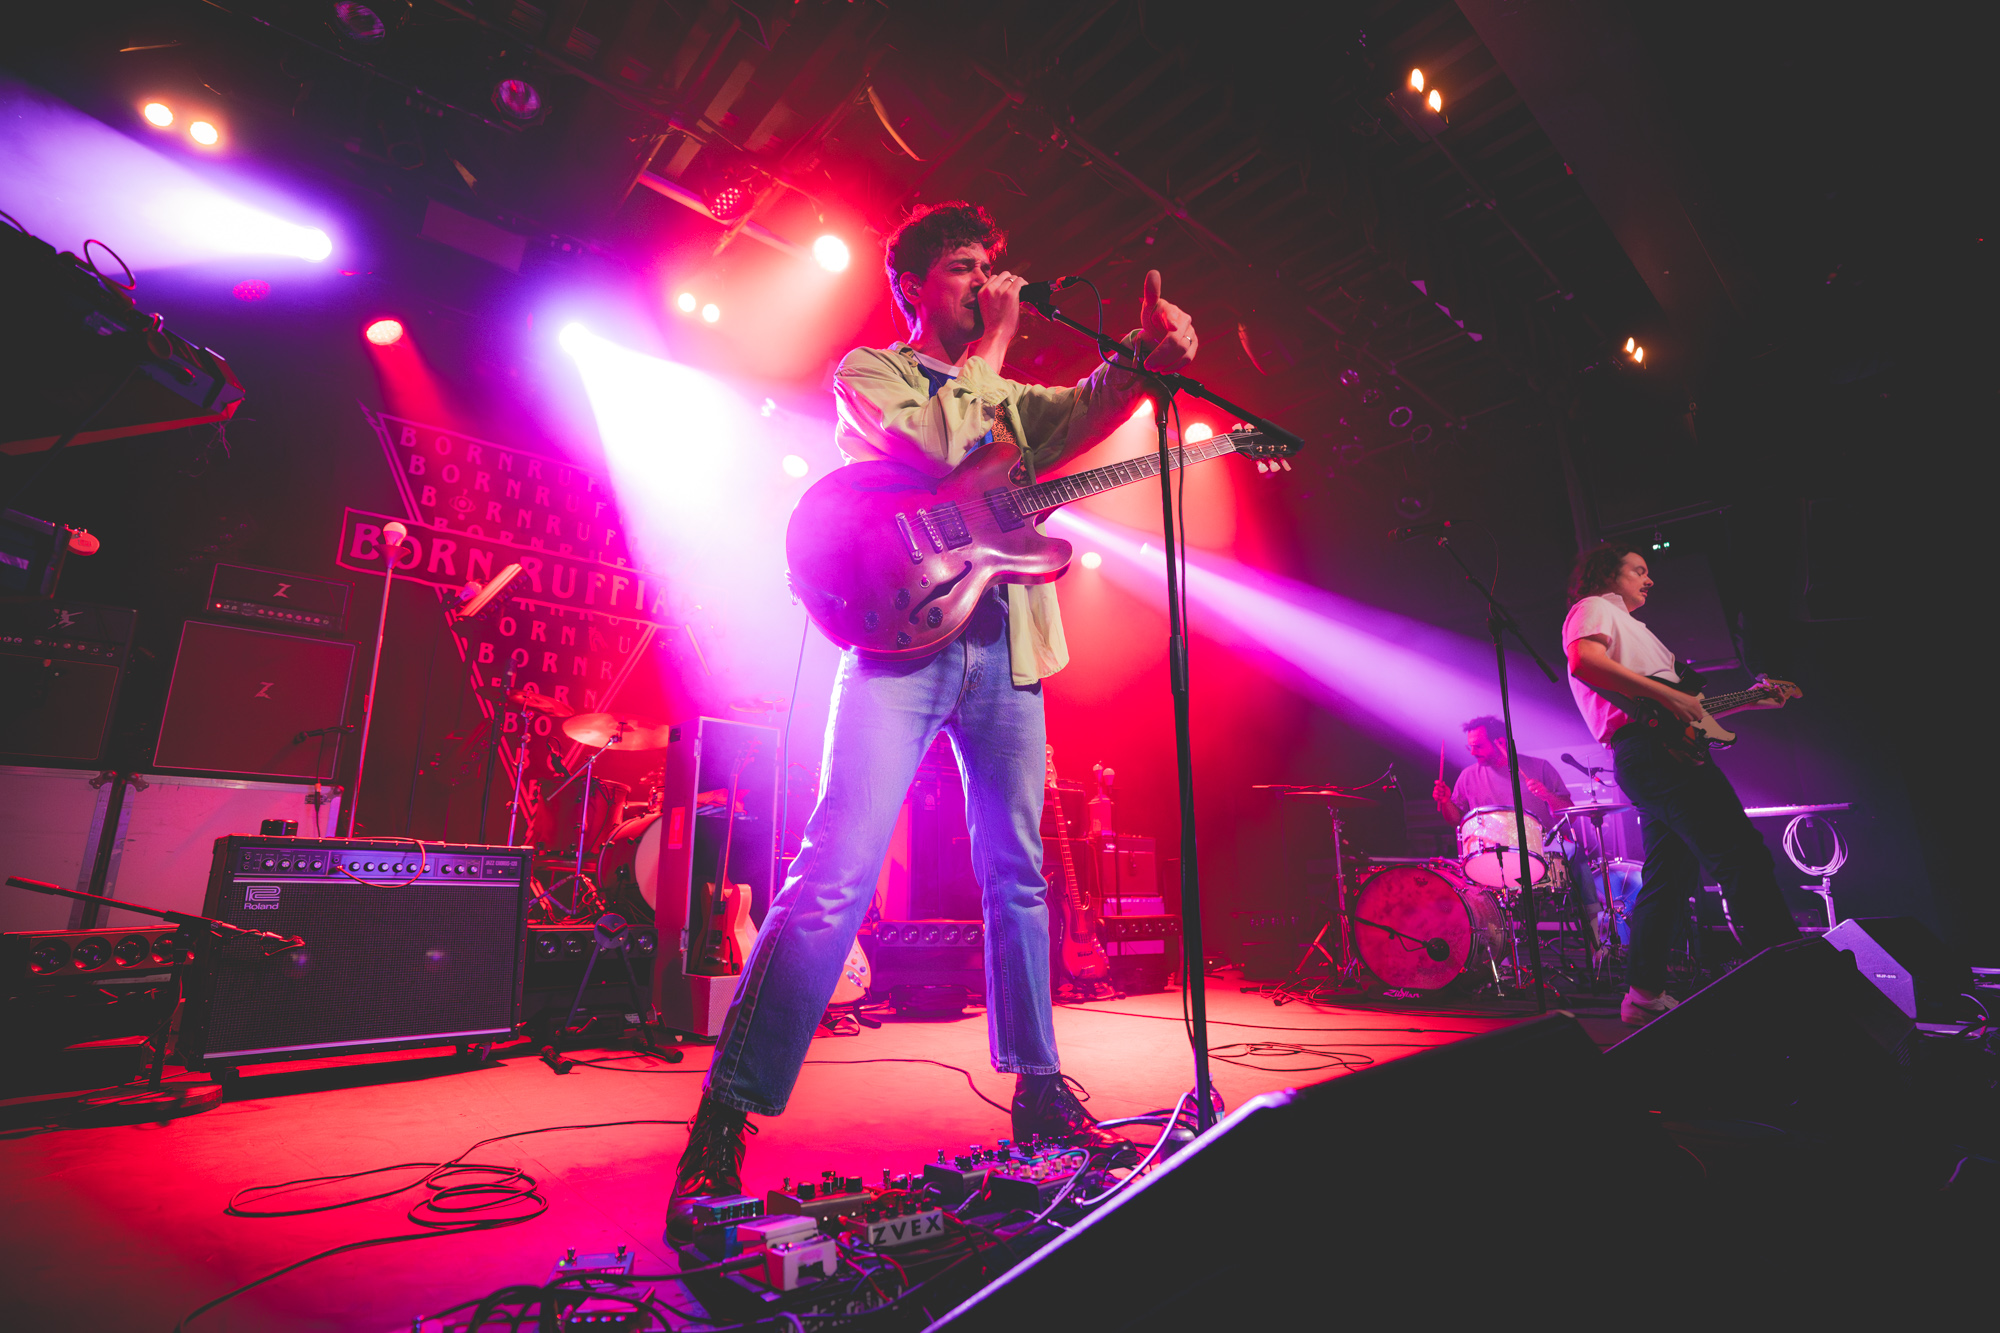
column 1422, row 296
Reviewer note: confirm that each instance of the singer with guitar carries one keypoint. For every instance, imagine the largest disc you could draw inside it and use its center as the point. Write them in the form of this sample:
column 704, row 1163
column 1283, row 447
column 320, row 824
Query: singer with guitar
column 918, row 409
column 1635, row 700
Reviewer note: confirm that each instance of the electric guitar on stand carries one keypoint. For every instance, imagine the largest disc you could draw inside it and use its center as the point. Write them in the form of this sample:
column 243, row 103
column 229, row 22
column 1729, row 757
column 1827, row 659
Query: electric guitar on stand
column 1082, row 954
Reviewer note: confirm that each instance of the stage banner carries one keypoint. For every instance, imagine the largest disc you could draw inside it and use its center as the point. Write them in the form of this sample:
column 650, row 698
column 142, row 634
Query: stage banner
column 573, row 627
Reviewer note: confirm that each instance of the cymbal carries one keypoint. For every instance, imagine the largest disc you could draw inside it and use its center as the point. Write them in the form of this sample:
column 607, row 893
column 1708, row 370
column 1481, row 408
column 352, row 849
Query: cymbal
column 599, row 730
column 1594, row 808
column 1326, row 795
column 540, row 703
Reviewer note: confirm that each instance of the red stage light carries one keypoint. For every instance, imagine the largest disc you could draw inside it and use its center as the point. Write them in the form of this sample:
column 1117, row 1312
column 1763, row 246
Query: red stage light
column 711, row 312
column 204, row 133
column 1416, row 80
column 1091, row 560
column 1435, row 101
column 158, row 113
column 795, row 466
column 1197, row 432
column 385, row 332
column 686, row 302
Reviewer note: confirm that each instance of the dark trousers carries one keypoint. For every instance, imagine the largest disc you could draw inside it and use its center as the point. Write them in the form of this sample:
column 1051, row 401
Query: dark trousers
column 1692, row 822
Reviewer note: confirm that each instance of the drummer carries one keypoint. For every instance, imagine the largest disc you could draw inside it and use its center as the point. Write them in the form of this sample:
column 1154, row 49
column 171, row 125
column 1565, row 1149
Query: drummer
column 1486, row 781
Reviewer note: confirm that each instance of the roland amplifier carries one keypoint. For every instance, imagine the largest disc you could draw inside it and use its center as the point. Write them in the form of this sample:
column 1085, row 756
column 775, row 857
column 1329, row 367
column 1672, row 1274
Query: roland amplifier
column 407, row 944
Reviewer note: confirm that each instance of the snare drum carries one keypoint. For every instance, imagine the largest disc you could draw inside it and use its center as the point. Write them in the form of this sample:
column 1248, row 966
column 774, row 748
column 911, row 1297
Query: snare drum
column 1425, row 926
column 1487, row 848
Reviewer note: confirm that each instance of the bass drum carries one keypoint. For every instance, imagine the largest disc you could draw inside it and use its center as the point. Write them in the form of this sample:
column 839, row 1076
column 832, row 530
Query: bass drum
column 628, row 868
column 1425, row 926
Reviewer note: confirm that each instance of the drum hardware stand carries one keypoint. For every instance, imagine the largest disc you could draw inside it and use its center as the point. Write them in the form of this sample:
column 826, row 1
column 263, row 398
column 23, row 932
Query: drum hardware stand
column 1499, row 623
column 611, row 935
column 1165, row 385
column 1345, row 968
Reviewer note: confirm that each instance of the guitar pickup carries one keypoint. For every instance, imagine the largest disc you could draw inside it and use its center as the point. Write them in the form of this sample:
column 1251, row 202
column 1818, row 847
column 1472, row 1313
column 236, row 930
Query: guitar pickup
column 910, row 539
column 1004, row 509
column 946, row 527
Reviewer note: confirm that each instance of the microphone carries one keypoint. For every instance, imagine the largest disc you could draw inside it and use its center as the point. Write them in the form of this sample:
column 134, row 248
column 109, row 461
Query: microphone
column 1038, row 293
column 478, row 598
column 1420, row 530
column 394, row 534
column 322, row 731
column 1587, row 772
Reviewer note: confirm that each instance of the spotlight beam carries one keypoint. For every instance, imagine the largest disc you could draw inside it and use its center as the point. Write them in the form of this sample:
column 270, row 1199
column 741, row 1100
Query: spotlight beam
column 1416, row 679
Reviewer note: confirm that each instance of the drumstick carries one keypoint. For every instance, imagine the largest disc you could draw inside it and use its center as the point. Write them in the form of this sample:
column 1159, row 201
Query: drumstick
column 1440, row 761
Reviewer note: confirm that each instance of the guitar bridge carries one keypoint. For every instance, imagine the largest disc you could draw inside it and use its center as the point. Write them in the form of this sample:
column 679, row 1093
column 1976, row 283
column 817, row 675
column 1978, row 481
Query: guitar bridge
column 910, row 539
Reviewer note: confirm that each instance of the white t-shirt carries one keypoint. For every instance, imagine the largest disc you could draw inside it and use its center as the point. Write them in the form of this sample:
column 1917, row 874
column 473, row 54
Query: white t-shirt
column 1630, row 644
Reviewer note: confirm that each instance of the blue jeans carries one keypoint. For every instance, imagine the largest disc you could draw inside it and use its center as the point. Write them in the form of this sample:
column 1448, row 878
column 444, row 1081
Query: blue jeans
column 885, row 716
column 1692, row 821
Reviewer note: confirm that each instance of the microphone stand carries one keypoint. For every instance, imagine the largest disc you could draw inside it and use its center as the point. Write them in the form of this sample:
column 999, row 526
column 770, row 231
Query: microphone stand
column 1194, row 969
column 215, row 927
column 1499, row 623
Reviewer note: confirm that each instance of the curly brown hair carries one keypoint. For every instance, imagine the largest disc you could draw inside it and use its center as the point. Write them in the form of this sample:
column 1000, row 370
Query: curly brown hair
column 1597, row 569
column 931, row 233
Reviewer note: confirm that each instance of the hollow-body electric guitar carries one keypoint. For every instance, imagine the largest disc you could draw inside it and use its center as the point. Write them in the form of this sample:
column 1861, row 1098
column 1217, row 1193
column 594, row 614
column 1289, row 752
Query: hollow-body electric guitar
column 1691, row 742
column 892, row 563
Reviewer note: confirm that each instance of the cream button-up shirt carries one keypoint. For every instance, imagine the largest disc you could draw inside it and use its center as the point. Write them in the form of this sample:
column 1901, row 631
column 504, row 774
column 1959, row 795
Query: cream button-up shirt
column 887, row 411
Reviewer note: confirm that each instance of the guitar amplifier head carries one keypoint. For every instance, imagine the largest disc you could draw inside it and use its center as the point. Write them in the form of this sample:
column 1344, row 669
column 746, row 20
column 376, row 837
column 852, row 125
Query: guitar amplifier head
column 406, row 944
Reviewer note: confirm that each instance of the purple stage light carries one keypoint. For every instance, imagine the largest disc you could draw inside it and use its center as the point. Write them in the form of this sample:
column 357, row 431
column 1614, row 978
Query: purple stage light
column 67, row 176
column 1416, row 679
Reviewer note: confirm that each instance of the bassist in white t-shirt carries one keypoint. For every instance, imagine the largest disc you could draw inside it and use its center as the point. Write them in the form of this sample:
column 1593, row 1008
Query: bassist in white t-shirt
column 1689, row 815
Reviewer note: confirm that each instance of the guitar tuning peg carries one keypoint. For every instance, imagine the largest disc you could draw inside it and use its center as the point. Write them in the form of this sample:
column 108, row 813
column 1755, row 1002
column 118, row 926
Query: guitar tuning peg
column 1285, row 463
column 1262, row 466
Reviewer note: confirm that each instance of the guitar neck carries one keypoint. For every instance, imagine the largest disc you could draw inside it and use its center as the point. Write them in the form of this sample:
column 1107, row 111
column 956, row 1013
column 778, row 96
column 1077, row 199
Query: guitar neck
column 1721, row 703
column 1077, row 485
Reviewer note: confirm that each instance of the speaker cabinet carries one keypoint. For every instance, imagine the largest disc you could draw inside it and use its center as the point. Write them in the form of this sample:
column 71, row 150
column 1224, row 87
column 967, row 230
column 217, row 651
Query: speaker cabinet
column 60, row 668
column 1412, row 1191
column 240, row 697
column 406, row 945
column 1909, row 964
column 1795, row 1024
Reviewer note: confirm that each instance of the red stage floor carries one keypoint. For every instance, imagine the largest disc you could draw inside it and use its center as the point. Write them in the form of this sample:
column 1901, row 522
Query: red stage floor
column 124, row 1227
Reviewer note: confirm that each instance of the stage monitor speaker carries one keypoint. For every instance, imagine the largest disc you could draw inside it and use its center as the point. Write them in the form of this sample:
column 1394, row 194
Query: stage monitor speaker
column 406, row 945
column 1794, row 1026
column 1909, row 964
column 60, row 667
column 241, row 697
column 1410, row 1190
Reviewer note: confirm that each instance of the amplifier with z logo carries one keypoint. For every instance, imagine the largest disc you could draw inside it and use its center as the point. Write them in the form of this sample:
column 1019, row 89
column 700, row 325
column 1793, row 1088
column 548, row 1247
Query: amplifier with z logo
column 241, row 698
column 273, row 597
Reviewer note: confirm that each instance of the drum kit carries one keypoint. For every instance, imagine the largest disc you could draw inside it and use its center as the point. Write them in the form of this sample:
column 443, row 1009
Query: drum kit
column 1431, row 923
column 624, row 835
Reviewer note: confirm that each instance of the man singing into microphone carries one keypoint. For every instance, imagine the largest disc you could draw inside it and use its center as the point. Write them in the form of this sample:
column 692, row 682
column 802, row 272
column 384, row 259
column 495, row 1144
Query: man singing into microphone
column 926, row 404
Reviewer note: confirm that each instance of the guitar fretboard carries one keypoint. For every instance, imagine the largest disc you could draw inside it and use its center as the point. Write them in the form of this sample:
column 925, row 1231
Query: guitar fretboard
column 1062, row 490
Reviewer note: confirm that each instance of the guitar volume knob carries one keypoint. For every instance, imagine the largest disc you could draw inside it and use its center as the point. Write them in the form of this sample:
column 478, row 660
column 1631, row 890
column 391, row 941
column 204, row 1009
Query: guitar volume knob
column 871, row 621
column 902, row 639
column 934, row 617
column 902, row 598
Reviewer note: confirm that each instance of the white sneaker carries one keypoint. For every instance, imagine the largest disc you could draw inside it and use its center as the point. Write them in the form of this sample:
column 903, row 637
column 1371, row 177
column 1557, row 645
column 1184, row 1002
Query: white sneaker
column 1637, row 1012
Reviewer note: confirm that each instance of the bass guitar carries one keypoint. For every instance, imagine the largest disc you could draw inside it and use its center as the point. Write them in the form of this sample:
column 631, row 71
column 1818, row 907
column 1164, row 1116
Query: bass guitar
column 1082, row 954
column 1692, row 742
column 891, row 562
